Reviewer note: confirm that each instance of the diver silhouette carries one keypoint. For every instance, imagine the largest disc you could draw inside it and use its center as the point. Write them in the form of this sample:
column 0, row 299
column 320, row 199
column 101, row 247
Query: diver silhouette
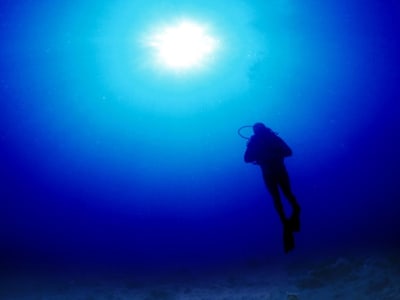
column 266, row 149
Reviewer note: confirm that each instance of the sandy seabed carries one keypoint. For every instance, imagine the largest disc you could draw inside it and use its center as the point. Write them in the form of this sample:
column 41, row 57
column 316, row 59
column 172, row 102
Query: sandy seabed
column 369, row 277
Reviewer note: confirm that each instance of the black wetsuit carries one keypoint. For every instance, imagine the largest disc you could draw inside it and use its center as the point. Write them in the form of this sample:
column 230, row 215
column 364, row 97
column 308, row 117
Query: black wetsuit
column 268, row 150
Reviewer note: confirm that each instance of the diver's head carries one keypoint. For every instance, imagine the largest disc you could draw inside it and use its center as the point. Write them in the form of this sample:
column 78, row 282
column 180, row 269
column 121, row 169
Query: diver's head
column 260, row 128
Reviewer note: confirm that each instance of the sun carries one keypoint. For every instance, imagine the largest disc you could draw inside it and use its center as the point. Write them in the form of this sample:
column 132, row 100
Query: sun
column 182, row 46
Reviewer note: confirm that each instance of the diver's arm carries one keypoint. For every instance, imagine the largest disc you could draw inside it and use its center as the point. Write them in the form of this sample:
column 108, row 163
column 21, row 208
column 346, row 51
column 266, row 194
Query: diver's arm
column 285, row 149
column 249, row 155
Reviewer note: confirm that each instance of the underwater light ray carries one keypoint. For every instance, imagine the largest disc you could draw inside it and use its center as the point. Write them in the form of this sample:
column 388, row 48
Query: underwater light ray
column 134, row 70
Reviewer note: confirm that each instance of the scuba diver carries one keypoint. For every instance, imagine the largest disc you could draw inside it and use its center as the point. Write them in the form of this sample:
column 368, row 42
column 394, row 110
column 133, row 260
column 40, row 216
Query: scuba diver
column 266, row 149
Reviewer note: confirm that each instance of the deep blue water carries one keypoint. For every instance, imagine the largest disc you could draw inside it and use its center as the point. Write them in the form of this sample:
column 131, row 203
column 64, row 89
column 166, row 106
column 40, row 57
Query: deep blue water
column 107, row 161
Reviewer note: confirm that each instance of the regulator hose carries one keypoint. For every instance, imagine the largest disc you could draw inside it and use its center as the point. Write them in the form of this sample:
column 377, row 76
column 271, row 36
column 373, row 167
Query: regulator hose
column 240, row 133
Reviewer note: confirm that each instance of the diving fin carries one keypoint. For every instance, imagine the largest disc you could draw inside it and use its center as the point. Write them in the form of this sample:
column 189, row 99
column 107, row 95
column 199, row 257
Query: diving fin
column 294, row 222
column 288, row 238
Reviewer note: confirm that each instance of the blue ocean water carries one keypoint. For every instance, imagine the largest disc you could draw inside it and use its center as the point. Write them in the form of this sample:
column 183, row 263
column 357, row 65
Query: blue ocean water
column 110, row 161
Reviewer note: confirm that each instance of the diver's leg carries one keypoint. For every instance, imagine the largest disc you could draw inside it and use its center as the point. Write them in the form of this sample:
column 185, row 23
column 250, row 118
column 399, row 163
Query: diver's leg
column 273, row 188
column 284, row 183
column 272, row 184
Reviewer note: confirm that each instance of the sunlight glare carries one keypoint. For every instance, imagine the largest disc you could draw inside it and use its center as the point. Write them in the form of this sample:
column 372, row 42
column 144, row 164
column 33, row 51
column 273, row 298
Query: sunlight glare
column 183, row 46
